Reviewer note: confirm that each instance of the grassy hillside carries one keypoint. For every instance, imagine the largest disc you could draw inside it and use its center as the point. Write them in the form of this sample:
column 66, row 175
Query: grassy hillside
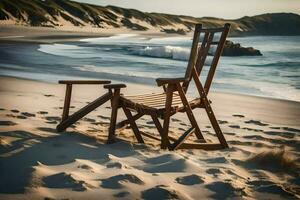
column 57, row 13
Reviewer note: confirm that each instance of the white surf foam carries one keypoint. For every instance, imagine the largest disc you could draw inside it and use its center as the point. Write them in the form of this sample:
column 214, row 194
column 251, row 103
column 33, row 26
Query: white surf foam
column 72, row 51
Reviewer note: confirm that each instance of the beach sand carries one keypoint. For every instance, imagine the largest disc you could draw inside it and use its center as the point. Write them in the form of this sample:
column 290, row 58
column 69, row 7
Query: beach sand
column 36, row 162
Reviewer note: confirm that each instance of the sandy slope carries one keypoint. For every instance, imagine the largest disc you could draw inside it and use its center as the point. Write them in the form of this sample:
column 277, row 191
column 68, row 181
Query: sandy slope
column 38, row 163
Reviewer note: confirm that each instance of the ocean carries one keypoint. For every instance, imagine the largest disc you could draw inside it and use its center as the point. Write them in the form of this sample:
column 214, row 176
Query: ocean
column 138, row 59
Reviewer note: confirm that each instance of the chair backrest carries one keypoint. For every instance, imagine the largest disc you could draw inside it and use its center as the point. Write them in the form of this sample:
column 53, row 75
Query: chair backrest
column 205, row 42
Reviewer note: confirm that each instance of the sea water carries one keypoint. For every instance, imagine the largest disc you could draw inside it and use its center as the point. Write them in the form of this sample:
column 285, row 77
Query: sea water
column 134, row 58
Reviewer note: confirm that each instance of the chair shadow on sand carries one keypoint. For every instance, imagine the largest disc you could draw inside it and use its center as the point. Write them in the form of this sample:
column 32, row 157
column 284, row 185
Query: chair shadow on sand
column 17, row 160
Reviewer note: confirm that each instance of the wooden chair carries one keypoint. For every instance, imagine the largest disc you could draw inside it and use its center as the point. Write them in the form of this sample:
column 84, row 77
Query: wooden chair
column 66, row 119
column 173, row 99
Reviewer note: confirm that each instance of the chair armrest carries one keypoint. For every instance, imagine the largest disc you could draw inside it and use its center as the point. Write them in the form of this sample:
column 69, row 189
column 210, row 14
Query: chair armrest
column 163, row 81
column 70, row 82
column 114, row 86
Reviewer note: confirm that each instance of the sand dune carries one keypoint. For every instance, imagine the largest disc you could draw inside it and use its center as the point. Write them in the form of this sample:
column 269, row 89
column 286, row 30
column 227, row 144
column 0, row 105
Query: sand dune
column 38, row 163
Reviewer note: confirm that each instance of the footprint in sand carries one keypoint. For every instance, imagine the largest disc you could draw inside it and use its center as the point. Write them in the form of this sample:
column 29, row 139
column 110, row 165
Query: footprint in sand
column 229, row 133
column 288, row 135
column 256, row 122
column 225, row 190
column 214, row 171
column 190, row 180
column 88, row 119
column 115, row 182
column 114, row 165
column 121, row 194
column 63, row 180
column 291, row 129
column 48, row 95
column 238, row 115
column 234, row 126
column 222, row 122
column 252, row 129
column 7, row 123
column 14, row 111
column 103, row 117
column 183, row 124
column 161, row 192
column 21, row 117
column 10, row 115
column 27, row 114
column 42, row 112
column 46, row 129
column 52, row 118
column 175, row 120
column 275, row 127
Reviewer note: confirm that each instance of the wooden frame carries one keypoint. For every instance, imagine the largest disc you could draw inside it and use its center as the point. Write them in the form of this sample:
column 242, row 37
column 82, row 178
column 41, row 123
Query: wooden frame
column 174, row 98
column 66, row 120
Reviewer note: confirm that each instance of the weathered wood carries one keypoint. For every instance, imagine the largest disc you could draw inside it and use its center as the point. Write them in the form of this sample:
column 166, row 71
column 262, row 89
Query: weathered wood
column 164, row 136
column 205, row 146
column 189, row 112
column 209, row 111
column 216, row 58
column 125, row 122
column 114, row 112
column 133, row 125
column 181, row 139
column 84, row 82
column 67, row 102
column 194, row 51
column 82, row 112
column 114, row 86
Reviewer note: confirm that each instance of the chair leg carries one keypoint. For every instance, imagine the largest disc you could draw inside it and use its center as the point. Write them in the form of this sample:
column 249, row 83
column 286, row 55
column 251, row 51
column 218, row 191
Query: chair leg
column 189, row 112
column 164, row 136
column 133, row 125
column 67, row 102
column 157, row 123
column 214, row 123
column 82, row 112
column 125, row 122
column 113, row 118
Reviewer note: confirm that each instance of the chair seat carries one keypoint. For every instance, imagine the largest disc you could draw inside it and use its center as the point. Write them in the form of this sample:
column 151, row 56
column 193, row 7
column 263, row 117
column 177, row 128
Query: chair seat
column 156, row 101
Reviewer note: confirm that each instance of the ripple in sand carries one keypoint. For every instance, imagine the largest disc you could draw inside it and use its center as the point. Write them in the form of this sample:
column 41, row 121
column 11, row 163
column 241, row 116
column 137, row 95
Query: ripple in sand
column 214, row 171
column 63, row 180
column 256, row 122
column 288, row 135
column 115, row 182
column 7, row 123
column 190, row 180
column 27, row 114
column 265, row 186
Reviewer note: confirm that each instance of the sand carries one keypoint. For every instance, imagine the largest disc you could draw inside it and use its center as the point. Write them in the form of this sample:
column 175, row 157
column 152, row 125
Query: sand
column 36, row 162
